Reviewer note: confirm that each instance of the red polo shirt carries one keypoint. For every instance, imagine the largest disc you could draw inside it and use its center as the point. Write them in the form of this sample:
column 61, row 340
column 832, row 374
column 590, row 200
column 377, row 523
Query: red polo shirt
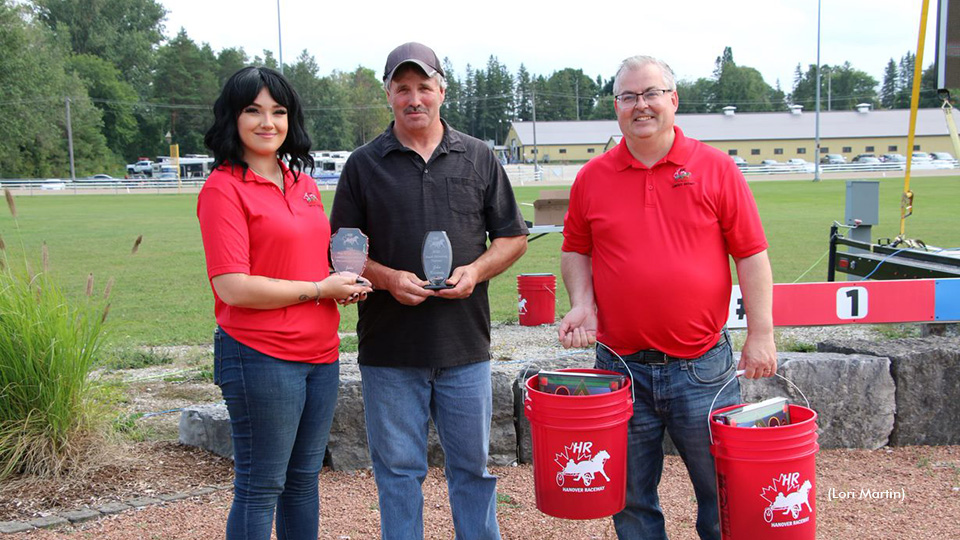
column 659, row 239
column 250, row 227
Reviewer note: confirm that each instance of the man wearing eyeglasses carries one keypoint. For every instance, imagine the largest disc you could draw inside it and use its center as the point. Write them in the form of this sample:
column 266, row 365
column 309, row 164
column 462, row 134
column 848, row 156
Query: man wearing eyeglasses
column 645, row 259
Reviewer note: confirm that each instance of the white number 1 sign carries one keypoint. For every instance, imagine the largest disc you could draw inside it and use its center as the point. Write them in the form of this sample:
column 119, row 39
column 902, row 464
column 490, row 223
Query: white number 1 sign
column 852, row 302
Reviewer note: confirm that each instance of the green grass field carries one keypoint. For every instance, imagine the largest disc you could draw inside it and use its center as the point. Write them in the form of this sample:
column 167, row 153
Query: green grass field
column 162, row 296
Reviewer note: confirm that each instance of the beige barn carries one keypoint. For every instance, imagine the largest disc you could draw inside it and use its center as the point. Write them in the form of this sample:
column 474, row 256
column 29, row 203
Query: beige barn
column 752, row 136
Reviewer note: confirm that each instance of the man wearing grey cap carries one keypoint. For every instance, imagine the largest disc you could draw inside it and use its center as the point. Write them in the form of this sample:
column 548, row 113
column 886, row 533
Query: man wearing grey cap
column 423, row 353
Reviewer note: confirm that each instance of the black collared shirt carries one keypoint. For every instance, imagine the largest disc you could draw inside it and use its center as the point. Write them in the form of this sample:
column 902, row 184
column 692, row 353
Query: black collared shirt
column 395, row 198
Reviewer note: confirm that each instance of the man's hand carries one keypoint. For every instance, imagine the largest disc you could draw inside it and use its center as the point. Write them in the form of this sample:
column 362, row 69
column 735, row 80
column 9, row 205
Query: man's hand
column 463, row 279
column 758, row 358
column 578, row 328
column 407, row 288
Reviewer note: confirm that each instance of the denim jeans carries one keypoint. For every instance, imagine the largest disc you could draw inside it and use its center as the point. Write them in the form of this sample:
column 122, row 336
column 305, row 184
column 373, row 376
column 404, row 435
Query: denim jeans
column 675, row 396
column 398, row 403
column 280, row 416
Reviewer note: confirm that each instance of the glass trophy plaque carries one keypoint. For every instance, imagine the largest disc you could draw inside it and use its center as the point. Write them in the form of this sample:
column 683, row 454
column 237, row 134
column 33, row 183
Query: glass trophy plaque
column 348, row 250
column 437, row 260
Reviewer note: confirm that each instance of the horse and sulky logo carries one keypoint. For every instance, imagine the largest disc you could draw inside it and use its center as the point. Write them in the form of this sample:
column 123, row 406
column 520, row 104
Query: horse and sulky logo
column 682, row 178
column 578, row 463
column 787, row 497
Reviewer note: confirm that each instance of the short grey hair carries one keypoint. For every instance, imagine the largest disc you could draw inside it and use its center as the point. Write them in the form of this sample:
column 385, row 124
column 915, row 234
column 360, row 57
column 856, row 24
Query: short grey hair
column 635, row 63
column 441, row 80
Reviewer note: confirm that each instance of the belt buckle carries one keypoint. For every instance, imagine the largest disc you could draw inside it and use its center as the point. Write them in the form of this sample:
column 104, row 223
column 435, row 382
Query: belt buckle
column 663, row 360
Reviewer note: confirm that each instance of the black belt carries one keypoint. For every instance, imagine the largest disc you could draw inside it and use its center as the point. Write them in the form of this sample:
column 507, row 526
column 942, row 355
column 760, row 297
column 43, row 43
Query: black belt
column 653, row 357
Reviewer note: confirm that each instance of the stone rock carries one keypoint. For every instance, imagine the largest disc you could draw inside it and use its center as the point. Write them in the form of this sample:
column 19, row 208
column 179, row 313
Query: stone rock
column 81, row 515
column 207, row 427
column 48, row 522
column 503, row 431
column 113, row 508
column 347, row 446
column 853, row 395
column 10, row 527
column 140, row 502
column 926, row 373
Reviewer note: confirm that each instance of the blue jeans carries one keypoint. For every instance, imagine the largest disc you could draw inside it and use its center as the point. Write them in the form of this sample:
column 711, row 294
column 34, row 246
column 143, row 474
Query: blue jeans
column 398, row 403
column 280, row 416
column 675, row 396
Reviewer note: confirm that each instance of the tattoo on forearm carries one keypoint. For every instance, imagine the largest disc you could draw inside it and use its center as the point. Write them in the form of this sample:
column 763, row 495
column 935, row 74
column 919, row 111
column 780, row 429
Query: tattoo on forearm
column 304, row 298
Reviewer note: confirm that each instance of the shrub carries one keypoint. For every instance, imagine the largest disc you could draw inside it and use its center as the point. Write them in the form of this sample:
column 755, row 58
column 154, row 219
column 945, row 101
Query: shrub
column 48, row 344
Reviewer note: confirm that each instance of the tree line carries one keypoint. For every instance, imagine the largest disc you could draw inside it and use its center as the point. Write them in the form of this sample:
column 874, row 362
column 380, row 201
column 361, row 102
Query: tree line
column 126, row 87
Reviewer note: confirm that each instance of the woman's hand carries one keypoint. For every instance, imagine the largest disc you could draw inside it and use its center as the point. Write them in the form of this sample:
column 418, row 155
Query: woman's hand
column 346, row 288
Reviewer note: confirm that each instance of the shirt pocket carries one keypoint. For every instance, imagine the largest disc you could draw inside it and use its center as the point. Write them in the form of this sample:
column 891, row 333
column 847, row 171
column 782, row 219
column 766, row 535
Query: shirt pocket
column 464, row 195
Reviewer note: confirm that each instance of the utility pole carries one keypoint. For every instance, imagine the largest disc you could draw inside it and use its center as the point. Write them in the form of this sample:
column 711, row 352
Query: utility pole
column 279, row 38
column 816, row 157
column 73, row 172
column 576, row 87
column 536, row 165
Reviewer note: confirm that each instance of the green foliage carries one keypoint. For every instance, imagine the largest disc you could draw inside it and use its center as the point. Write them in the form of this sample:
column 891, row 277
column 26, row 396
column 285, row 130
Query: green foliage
column 187, row 76
column 841, row 88
column 124, row 357
column 105, row 83
column 48, row 344
column 121, row 32
column 742, row 87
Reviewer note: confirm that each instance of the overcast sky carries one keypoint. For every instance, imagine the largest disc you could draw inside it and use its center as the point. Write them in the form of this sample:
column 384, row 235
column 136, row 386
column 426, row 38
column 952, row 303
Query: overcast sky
column 772, row 36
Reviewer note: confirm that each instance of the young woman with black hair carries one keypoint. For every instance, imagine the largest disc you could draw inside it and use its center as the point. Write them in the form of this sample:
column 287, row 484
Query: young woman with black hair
column 266, row 238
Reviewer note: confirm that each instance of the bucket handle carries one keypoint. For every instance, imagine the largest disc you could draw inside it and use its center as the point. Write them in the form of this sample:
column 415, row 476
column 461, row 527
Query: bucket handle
column 739, row 373
column 633, row 391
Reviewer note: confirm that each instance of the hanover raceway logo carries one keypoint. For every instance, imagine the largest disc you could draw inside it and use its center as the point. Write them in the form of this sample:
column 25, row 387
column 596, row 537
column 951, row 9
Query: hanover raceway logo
column 578, row 463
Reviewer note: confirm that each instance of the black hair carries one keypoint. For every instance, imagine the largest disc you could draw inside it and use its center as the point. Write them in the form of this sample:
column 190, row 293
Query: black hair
column 240, row 90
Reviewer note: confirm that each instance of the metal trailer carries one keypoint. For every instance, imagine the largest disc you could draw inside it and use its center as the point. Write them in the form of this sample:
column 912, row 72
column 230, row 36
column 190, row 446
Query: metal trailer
column 888, row 261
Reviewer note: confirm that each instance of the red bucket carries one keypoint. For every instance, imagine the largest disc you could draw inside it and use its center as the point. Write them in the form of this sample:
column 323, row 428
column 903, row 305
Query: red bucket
column 766, row 478
column 579, row 450
column 537, row 299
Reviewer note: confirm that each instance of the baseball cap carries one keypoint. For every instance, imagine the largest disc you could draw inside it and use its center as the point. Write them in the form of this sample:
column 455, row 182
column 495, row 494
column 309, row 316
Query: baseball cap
column 417, row 53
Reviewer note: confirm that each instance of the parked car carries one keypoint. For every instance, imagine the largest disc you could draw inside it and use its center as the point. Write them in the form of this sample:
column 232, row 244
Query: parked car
column 921, row 156
column 833, row 159
column 770, row 163
column 942, row 156
column 860, row 157
column 894, row 158
column 143, row 167
column 739, row 161
column 868, row 163
column 53, row 184
column 101, row 177
column 802, row 164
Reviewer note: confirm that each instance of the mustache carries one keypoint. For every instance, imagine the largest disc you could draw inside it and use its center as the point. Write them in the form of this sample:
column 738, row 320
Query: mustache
column 418, row 109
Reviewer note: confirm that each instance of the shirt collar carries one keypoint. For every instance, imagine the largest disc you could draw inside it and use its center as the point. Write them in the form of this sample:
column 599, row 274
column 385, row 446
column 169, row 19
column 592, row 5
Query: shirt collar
column 452, row 141
column 678, row 154
column 237, row 172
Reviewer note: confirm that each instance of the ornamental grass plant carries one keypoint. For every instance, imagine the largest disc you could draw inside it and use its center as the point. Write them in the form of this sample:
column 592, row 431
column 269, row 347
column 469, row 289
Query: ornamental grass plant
column 49, row 342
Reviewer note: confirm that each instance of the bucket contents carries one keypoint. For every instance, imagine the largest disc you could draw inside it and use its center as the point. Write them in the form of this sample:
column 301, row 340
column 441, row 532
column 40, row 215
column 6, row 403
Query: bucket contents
column 769, row 413
column 566, row 383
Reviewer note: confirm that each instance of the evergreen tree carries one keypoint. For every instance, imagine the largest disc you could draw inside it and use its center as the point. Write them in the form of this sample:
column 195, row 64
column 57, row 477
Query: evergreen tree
column 186, row 82
column 523, row 110
column 888, row 91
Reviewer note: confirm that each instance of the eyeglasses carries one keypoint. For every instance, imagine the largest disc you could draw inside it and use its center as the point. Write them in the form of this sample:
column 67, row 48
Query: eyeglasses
column 629, row 99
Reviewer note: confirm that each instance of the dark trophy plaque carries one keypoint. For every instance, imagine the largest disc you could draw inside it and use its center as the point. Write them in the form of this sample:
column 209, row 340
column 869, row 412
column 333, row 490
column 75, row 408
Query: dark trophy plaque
column 437, row 260
column 348, row 250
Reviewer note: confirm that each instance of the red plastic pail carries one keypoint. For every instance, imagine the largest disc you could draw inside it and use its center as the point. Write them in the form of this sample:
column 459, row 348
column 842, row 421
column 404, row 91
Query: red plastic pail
column 579, row 450
column 766, row 478
column 537, row 298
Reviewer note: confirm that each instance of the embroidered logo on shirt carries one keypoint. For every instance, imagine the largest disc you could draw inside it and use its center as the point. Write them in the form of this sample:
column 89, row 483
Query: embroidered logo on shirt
column 309, row 197
column 682, row 178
